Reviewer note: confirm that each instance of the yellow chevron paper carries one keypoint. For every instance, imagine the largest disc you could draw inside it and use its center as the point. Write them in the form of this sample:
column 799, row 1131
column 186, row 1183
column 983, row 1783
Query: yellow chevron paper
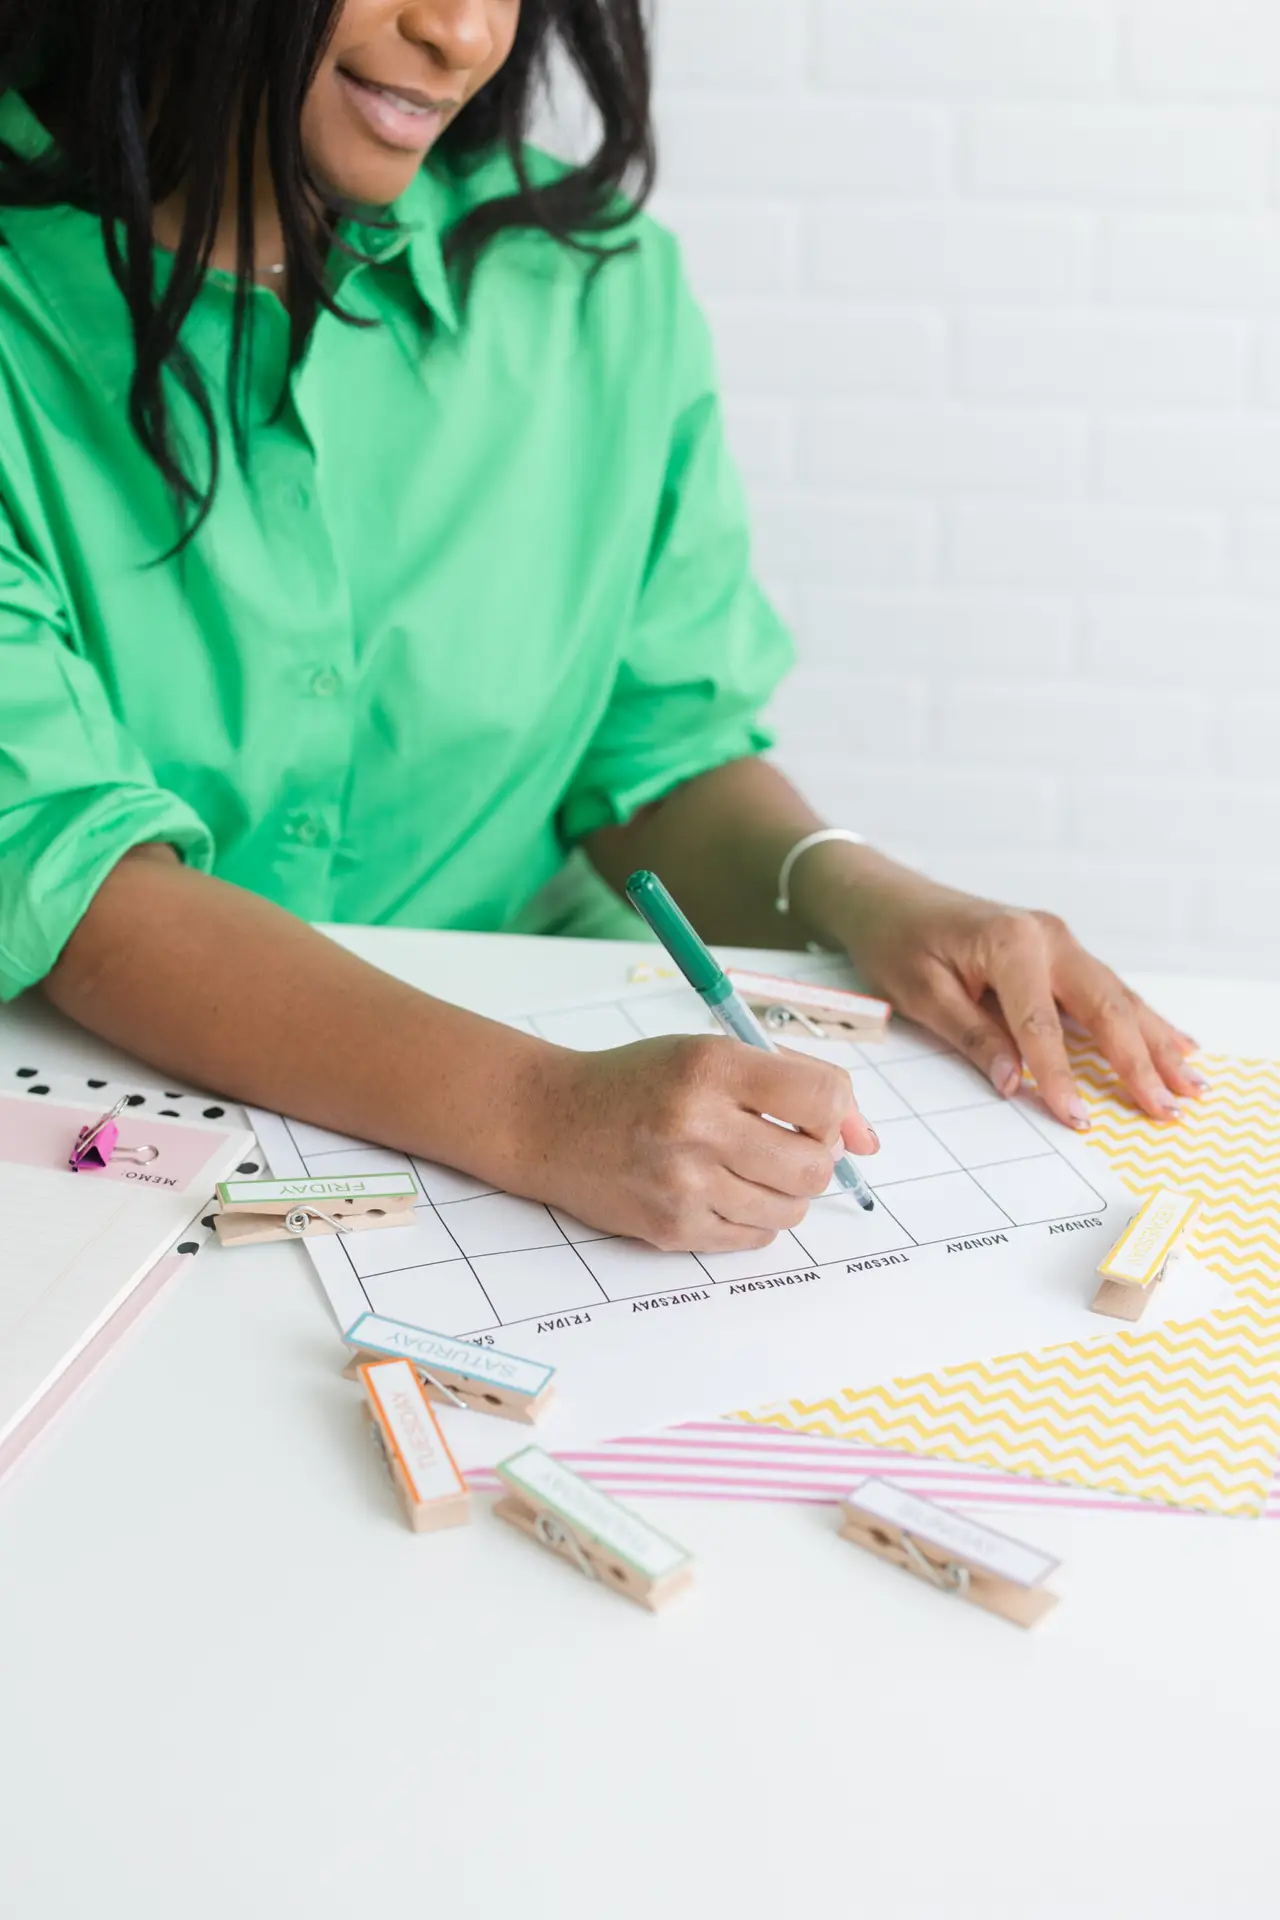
column 1189, row 1415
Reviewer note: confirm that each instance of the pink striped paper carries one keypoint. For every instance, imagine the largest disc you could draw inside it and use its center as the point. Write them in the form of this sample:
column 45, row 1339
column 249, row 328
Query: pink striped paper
column 722, row 1460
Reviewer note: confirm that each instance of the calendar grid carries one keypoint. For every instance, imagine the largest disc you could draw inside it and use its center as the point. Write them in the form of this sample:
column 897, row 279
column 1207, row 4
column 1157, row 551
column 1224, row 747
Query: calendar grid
column 957, row 1166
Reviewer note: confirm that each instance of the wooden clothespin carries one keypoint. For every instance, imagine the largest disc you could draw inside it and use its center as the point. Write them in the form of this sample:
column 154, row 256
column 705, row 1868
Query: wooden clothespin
column 254, row 1211
column 603, row 1539
column 423, row 1471
column 1136, row 1264
column 954, row 1554
column 825, row 1013
column 454, row 1371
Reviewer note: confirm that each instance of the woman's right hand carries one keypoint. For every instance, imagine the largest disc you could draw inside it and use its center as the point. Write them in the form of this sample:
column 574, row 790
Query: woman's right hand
column 666, row 1141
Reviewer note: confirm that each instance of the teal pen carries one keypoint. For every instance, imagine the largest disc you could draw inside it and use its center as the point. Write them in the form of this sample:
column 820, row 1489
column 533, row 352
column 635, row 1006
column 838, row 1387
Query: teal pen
column 710, row 982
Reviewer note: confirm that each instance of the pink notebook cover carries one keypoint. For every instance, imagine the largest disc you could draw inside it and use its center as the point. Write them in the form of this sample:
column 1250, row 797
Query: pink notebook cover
column 92, row 1356
column 40, row 1134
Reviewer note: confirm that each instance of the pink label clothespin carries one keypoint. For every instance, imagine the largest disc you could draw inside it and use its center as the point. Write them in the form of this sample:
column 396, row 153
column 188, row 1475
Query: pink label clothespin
column 95, row 1145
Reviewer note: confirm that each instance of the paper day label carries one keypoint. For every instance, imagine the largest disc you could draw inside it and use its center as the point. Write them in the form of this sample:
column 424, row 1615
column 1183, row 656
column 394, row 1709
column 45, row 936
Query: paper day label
column 410, row 1426
column 966, row 1539
column 1144, row 1246
column 359, row 1186
column 431, row 1350
column 548, row 1483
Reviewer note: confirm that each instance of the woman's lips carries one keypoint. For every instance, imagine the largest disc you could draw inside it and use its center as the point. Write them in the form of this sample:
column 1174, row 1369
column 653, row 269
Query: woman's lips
column 409, row 121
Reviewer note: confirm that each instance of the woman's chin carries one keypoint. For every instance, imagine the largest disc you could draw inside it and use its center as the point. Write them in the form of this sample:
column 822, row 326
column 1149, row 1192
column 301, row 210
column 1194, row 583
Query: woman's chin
column 358, row 169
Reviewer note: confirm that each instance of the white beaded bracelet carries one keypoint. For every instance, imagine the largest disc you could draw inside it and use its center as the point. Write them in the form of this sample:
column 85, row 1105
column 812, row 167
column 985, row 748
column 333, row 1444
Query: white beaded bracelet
column 783, row 902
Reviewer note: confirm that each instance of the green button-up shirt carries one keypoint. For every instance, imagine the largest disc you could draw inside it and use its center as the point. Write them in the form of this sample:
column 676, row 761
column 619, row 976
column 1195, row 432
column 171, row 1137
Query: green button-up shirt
column 482, row 586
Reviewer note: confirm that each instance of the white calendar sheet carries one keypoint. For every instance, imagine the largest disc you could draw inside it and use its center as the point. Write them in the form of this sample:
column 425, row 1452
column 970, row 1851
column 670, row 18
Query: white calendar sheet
column 989, row 1225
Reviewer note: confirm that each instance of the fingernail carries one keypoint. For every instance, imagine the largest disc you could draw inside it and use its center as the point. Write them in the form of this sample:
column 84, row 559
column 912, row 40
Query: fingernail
column 1197, row 1079
column 875, row 1139
column 1169, row 1106
column 1006, row 1074
column 1078, row 1114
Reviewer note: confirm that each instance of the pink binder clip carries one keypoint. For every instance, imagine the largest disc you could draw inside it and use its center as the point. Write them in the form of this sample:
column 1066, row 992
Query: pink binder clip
column 95, row 1145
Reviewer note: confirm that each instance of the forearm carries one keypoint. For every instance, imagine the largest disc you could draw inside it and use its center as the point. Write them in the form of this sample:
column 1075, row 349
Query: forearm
column 219, row 987
column 719, row 843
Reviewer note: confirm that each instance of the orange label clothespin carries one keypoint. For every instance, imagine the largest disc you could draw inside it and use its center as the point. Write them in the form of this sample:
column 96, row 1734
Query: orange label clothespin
column 424, row 1473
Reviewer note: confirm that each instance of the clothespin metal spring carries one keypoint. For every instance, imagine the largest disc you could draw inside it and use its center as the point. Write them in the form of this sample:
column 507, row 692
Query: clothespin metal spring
column 951, row 1577
column 780, row 1018
column 556, row 1534
column 300, row 1219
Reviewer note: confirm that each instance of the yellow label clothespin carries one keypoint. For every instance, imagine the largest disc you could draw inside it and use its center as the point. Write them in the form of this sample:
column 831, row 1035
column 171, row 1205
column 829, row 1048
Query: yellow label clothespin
column 601, row 1537
column 1136, row 1264
column 424, row 1473
column 254, row 1211
column 957, row 1555
column 825, row 1013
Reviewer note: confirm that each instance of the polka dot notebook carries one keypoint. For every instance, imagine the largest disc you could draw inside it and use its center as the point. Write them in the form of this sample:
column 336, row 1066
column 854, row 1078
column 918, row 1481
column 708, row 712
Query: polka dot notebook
column 1187, row 1415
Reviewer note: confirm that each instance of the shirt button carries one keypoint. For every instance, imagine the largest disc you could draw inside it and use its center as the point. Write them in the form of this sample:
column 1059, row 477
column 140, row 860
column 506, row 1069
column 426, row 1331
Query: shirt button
column 307, row 831
column 325, row 683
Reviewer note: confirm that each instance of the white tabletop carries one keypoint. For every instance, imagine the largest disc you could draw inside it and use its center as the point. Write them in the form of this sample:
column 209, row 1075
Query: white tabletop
column 232, row 1684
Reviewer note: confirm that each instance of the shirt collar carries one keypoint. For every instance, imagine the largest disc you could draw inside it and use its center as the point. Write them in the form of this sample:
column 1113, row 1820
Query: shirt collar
column 421, row 216
column 60, row 248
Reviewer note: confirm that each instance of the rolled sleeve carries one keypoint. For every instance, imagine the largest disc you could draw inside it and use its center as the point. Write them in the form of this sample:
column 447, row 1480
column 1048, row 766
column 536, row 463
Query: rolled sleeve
column 76, row 793
column 706, row 650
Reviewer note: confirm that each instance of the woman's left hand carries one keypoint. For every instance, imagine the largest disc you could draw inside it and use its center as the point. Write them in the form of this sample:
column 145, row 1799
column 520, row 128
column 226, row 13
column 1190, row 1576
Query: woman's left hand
column 995, row 981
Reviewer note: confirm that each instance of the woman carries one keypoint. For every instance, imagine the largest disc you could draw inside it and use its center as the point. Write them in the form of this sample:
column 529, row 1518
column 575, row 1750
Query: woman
column 367, row 543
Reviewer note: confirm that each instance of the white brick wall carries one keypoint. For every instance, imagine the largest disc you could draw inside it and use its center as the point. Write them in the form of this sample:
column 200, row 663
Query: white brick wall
column 996, row 287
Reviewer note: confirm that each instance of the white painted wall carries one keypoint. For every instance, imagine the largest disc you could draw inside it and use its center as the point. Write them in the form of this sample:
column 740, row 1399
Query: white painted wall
column 996, row 286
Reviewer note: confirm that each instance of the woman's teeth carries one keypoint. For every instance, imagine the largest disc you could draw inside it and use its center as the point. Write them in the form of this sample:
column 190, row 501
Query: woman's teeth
column 398, row 100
